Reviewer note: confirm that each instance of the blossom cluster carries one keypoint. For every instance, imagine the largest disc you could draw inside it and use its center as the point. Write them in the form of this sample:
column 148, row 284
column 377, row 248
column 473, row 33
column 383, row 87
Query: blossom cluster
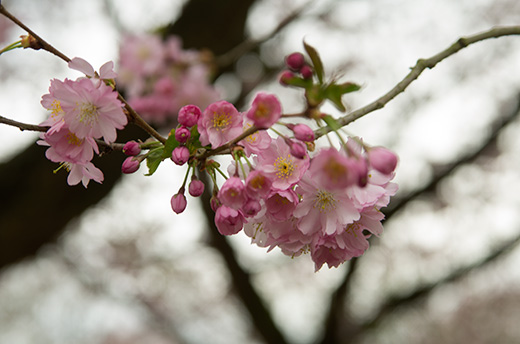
column 159, row 77
column 326, row 203
column 81, row 112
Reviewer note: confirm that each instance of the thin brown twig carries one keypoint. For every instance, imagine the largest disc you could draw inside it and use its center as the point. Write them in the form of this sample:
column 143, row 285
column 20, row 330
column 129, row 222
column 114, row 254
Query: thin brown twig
column 420, row 66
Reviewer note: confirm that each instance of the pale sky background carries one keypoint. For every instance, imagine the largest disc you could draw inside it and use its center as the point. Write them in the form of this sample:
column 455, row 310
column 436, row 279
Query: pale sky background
column 443, row 114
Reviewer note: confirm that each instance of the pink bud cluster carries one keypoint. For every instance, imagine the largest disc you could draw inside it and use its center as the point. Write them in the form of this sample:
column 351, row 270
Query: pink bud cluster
column 160, row 77
column 326, row 204
column 297, row 66
column 81, row 111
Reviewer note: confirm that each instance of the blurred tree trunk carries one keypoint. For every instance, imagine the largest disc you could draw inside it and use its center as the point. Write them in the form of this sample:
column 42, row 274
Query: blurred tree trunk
column 37, row 204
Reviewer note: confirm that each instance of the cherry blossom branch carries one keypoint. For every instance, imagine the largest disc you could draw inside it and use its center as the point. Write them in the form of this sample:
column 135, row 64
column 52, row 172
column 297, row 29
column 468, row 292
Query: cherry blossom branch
column 22, row 126
column 31, row 127
column 230, row 144
column 419, row 67
column 42, row 44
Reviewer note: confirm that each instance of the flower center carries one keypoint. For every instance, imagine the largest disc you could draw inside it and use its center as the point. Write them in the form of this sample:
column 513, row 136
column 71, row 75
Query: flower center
column 72, row 139
column 335, row 170
column 262, row 111
column 88, row 113
column 325, row 201
column 284, row 167
column 221, row 121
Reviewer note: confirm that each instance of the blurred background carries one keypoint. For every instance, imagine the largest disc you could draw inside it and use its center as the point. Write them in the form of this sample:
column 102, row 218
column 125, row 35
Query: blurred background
column 113, row 264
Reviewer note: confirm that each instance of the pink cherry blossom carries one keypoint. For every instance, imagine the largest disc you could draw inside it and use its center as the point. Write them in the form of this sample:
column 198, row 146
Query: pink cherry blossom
column 56, row 119
column 265, row 110
column 256, row 142
column 91, row 111
column 229, row 221
column 65, row 146
column 232, row 193
column 283, row 169
column 280, row 204
column 323, row 210
column 258, row 185
column 219, row 123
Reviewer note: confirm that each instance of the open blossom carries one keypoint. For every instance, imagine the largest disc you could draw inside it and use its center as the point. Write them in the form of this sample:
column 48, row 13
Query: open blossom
column 283, row 169
column 256, row 142
column 232, row 193
column 65, row 146
column 220, row 122
column 323, row 210
column 50, row 102
column 265, row 110
column 91, row 111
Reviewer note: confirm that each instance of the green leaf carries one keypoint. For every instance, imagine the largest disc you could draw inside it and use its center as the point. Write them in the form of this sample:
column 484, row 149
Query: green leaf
column 334, row 92
column 154, row 159
column 348, row 87
column 331, row 122
column 170, row 145
column 316, row 61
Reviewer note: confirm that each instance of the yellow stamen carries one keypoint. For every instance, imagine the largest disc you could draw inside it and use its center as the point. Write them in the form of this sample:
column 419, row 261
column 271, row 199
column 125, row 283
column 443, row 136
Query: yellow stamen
column 325, row 201
column 284, row 167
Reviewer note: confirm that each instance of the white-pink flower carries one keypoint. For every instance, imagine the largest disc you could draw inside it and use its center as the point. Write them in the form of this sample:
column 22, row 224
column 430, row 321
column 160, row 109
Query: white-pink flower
column 220, row 123
column 265, row 110
column 65, row 146
column 280, row 166
column 256, row 142
column 322, row 210
column 91, row 111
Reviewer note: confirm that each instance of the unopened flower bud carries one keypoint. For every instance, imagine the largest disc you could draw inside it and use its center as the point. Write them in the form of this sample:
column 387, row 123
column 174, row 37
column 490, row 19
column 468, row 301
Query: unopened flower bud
column 130, row 165
column 179, row 202
column 132, row 148
column 286, row 77
column 295, row 61
column 297, row 148
column 382, row 159
column 303, row 132
column 214, row 202
column 180, row 155
column 189, row 115
column 306, row 72
column 182, row 134
column 196, row 188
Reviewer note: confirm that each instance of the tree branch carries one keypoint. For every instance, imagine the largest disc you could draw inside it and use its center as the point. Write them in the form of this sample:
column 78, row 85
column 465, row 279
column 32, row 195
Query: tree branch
column 420, row 66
